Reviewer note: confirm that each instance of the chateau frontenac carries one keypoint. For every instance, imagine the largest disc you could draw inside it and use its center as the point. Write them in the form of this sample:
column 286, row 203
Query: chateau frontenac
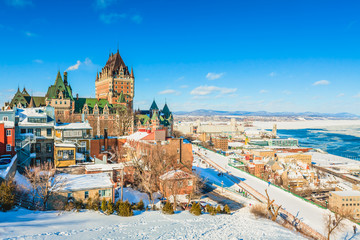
column 114, row 91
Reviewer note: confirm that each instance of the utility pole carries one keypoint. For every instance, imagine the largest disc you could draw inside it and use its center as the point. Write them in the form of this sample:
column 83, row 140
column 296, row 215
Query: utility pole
column 122, row 183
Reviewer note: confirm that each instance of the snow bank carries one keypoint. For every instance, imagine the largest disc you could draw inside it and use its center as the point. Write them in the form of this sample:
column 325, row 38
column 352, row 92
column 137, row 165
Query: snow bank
column 25, row 224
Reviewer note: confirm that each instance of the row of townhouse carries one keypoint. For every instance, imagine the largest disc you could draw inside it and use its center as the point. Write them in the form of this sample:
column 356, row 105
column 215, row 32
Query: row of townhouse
column 37, row 138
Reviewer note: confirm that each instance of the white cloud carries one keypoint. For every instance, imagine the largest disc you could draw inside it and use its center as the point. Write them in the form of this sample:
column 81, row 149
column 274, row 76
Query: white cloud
column 213, row 76
column 136, row 18
column 18, row 3
column 184, row 86
column 263, row 91
column 112, row 17
column 104, row 3
column 272, row 74
column 74, row 67
column 357, row 95
column 38, row 61
column 167, row 91
column 340, row 95
column 321, row 82
column 206, row 90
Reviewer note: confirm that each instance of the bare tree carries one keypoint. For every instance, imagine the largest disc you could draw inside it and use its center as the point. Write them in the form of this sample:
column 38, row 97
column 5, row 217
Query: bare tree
column 334, row 222
column 124, row 120
column 271, row 208
column 43, row 183
column 150, row 162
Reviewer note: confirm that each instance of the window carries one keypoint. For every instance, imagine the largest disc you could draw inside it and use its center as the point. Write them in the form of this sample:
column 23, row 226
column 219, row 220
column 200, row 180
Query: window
column 59, row 153
column 49, row 147
column 8, row 147
column 48, row 132
column 68, row 155
column 5, row 118
column 30, row 130
column 38, row 132
column 37, row 147
column 103, row 148
column 8, row 132
column 22, row 131
column 49, row 160
column 86, row 194
column 105, row 193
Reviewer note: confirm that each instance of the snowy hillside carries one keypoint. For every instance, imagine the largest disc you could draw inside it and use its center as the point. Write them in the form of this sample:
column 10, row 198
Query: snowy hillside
column 24, row 224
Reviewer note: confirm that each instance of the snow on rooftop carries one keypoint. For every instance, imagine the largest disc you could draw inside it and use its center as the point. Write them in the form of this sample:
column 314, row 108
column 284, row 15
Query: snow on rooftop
column 235, row 144
column 8, row 124
column 67, row 126
column 104, row 167
column 74, row 183
column 137, row 136
column 64, row 145
column 178, row 174
column 347, row 193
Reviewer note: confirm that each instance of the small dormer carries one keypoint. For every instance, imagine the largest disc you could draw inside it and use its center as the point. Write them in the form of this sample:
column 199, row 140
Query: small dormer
column 106, row 109
column 85, row 109
column 60, row 95
column 96, row 109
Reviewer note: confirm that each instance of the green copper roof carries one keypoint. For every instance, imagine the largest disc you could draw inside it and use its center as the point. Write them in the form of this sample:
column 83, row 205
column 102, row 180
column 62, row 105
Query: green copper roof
column 155, row 116
column 154, row 106
column 166, row 111
column 91, row 102
column 59, row 86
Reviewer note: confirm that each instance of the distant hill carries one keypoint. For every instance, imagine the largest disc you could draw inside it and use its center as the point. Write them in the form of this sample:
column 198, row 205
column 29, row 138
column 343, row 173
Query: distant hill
column 206, row 112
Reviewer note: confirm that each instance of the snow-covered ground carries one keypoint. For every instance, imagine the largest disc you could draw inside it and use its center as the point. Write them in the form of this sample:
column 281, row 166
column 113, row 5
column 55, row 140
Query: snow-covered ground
column 25, row 224
column 307, row 212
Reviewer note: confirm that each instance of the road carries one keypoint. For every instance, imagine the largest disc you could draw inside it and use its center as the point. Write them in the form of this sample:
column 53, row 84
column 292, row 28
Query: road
column 306, row 212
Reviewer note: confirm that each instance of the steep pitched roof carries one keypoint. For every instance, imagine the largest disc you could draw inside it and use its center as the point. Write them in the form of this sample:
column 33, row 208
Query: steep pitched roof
column 155, row 116
column 24, row 92
column 154, row 106
column 166, row 111
column 115, row 61
column 90, row 102
column 59, row 86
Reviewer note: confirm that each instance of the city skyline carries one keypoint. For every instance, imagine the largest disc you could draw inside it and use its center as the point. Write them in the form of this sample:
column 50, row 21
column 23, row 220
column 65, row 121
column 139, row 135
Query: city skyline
column 236, row 56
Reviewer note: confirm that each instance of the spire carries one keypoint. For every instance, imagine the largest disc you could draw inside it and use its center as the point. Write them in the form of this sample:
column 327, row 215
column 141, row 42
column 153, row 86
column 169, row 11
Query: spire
column 166, row 111
column 97, row 76
column 58, row 77
column 132, row 72
column 24, row 92
column 18, row 91
column 32, row 104
column 154, row 106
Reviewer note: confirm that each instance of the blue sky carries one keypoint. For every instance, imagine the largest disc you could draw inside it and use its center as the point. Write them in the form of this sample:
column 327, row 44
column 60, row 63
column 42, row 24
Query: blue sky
column 229, row 55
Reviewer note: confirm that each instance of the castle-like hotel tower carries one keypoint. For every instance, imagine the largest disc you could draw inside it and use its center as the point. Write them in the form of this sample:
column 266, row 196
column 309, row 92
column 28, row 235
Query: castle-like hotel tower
column 115, row 83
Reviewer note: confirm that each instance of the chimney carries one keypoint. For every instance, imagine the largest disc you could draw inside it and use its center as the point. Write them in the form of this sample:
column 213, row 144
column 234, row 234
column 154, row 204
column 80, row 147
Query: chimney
column 106, row 139
column 65, row 78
